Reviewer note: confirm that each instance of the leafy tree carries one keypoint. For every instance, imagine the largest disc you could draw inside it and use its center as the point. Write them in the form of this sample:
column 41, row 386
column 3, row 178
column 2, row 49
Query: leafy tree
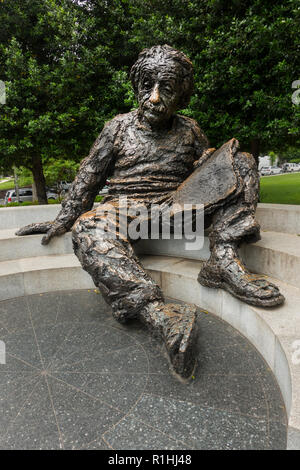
column 56, row 100
column 290, row 154
column 246, row 56
column 60, row 170
column 273, row 157
column 66, row 62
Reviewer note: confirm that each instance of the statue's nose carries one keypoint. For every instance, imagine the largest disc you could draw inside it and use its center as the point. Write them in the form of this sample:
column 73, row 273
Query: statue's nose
column 155, row 98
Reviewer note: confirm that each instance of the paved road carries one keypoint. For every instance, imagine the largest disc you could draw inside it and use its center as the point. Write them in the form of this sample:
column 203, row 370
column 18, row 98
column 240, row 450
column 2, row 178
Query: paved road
column 5, row 180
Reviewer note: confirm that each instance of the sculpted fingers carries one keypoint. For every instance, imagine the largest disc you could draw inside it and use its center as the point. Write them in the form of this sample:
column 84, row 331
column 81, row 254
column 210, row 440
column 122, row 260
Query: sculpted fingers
column 41, row 227
column 205, row 155
column 46, row 238
column 54, row 231
column 51, row 229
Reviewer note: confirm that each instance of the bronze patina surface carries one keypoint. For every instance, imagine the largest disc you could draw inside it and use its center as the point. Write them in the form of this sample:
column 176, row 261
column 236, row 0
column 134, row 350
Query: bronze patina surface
column 153, row 155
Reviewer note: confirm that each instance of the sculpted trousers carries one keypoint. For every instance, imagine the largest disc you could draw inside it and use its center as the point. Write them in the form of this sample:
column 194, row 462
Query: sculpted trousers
column 227, row 184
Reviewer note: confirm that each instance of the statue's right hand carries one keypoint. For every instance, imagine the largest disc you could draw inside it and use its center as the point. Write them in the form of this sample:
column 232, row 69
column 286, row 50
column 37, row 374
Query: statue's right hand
column 51, row 229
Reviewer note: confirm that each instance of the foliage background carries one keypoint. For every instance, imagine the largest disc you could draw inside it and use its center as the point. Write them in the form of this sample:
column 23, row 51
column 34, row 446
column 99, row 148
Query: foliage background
column 66, row 63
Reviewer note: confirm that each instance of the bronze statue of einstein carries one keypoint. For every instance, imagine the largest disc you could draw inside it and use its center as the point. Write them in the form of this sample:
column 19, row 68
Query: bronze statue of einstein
column 153, row 155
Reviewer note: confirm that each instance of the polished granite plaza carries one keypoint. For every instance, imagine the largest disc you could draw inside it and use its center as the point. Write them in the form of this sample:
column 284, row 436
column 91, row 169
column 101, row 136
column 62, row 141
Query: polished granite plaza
column 76, row 379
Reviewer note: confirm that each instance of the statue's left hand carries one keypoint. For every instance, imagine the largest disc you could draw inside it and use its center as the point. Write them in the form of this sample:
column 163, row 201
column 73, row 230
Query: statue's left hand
column 205, row 155
column 51, row 229
column 39, row 227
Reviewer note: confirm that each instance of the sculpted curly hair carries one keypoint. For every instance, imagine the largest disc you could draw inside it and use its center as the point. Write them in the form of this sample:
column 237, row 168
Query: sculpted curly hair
column 162, row 53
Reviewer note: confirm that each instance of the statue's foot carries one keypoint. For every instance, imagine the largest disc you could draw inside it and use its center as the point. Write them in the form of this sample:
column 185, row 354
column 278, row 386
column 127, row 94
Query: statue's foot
column 227, row 272
column 123, row 317
column 177, row 325
column 120, row 317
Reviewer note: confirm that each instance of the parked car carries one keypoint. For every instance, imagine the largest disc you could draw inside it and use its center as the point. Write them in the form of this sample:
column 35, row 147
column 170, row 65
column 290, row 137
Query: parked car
column 289, row 167
column 265, row 170
column 275, row 170
column 52, row 194
column 25, row 194
column 63, row 186
column 105, row 189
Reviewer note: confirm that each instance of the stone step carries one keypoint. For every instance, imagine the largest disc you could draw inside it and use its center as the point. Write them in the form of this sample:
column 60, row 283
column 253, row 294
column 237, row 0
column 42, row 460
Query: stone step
column 276, row 254
column 14, row 247
column 16, row 217
column 284, row 218
column 275, row 332
column 26, row 276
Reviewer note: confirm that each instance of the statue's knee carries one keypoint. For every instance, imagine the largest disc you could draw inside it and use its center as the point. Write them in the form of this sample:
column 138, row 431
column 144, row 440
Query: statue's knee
column 84, row 223
column 75, row 230
column 245, row 160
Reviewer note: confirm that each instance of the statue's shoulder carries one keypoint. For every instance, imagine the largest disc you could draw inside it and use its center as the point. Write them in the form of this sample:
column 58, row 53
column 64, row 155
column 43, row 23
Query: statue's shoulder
column 186, row 121
column 125, row 118
column 193, row 126
column 119, row 121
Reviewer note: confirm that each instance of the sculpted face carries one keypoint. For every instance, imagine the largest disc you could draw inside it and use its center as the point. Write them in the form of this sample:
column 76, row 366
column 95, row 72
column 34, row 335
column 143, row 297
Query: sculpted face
column 159, row 91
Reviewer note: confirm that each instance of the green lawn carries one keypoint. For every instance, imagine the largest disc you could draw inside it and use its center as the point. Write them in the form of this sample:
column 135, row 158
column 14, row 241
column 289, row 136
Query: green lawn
column 23, row 181
column 281, row 189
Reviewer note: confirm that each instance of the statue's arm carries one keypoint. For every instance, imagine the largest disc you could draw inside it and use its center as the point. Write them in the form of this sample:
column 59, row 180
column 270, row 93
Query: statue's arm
column 91, row 177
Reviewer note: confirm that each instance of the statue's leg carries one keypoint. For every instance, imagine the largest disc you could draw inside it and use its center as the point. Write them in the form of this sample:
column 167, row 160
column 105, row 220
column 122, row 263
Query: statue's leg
column 113, row 266
column 235, row 223
column 227, row 184
column 130, row 291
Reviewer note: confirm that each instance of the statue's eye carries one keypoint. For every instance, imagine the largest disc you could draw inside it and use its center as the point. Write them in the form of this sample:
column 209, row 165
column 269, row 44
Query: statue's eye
column 147, row 85
column 166, row 87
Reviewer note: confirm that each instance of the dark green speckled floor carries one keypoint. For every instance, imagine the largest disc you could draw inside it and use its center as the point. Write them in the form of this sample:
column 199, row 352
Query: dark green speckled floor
column 75, row 379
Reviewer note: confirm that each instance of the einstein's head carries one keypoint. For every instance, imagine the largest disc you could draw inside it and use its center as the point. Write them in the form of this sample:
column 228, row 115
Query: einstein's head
column 162, row 79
